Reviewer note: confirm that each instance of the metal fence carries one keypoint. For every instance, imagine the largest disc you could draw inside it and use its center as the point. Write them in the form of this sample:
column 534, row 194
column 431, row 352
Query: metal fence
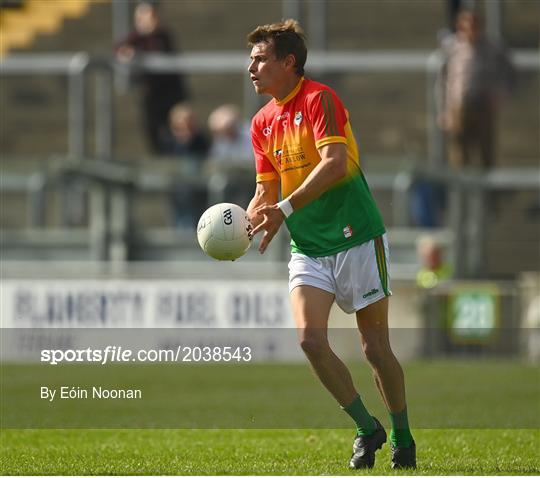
column 79, row 67
column 112, row 233
column 112, row 185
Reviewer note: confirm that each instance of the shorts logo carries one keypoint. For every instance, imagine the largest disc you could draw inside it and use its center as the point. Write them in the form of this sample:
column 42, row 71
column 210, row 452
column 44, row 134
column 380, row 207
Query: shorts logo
column 347, row 231
column 298, row 118
column 370, row 293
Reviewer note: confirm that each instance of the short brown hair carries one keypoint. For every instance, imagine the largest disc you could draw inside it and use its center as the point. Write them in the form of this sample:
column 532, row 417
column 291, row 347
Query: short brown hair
column 288, row 39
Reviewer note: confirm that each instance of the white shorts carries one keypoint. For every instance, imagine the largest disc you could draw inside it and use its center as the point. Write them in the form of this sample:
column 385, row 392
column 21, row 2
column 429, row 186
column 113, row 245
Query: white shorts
column 357, row 277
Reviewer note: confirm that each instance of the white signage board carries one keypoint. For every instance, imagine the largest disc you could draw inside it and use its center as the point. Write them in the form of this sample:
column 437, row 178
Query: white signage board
column 140, row 303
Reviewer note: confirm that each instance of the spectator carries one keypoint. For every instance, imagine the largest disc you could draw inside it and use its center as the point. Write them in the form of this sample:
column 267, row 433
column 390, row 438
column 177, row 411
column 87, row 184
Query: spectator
column 231, row 139
column 185, row 137
column 160, row 91
column 426, row 203
column 188, row 140
column 454, row 7
column 474, row 76
column 231, row 145
column 433, row 268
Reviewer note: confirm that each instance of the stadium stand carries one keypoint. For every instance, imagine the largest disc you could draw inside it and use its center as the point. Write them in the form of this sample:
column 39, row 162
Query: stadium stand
column 11, row 4
column 353, row 26
column 388, row 111
column 22, row 21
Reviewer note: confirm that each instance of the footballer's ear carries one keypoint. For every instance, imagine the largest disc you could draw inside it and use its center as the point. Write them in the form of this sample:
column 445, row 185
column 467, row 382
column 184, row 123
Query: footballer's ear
column 290, row 61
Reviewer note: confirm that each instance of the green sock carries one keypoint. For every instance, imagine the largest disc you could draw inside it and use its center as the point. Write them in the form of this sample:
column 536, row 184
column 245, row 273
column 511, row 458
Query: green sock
column 401, row 433
column 365, row 425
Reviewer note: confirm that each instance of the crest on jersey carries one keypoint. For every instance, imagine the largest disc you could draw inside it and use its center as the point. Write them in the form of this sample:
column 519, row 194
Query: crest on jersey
column 298, row 118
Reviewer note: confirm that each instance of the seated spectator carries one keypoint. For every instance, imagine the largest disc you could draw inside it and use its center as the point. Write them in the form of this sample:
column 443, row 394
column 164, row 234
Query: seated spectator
column 186, row 137
column 231, row 146
column 189, row 141
column 231, row 139
column 433, row 269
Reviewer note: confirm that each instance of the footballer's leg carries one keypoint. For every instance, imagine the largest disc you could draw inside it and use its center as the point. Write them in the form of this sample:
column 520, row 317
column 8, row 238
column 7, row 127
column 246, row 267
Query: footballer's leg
column 373, row 325
column 388, row 374
column 311, row 309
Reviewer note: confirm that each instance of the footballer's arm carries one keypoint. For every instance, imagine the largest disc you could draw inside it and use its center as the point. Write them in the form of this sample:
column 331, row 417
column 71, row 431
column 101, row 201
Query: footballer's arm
column 266, row 194
column 331, row 169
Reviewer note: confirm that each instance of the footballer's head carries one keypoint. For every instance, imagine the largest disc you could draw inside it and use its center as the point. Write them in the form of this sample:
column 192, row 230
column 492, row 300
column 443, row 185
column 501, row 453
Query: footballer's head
column 278, row 51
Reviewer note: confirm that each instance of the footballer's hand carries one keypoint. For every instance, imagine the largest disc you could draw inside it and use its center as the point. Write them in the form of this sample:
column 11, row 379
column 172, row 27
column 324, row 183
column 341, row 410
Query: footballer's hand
column 254, row 218
column 271, row 222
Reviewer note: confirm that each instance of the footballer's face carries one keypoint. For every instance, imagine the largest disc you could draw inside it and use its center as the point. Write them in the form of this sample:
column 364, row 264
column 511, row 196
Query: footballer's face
column 266, row 71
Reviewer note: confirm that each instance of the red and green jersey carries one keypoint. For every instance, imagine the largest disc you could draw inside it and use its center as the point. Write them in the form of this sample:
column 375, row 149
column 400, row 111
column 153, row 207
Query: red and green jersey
column 286, row 136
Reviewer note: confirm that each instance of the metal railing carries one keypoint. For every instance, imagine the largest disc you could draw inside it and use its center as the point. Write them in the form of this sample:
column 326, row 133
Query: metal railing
column 112, row 184
column 79, row 66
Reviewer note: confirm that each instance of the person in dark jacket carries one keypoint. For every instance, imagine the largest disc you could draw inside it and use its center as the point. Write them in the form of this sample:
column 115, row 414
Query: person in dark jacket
column 160, row 91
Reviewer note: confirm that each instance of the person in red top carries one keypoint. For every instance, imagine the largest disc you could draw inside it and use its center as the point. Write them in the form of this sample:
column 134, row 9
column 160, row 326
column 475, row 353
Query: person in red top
column 304, row 149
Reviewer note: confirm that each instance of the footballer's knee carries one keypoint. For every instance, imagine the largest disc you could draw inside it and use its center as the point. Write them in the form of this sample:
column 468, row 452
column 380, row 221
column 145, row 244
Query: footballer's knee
column 314, row 342
column 376, row 353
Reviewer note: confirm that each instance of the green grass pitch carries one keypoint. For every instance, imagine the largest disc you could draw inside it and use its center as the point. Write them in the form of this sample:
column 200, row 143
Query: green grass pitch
column 446, row 402
column 253, row 452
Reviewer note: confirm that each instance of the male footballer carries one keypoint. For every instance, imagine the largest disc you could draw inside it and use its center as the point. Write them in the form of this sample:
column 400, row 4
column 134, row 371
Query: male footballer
column 305, row 149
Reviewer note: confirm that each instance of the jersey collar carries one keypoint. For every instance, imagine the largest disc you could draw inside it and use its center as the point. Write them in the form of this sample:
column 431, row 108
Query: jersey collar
column 292, row 94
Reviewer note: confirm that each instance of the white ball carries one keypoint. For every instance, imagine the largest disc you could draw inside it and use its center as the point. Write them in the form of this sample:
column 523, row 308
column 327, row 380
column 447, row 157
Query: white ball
column 223, row 232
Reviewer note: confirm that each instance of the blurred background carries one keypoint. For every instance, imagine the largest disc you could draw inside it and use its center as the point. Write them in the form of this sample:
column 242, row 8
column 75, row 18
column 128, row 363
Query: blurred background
column 122, row 121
